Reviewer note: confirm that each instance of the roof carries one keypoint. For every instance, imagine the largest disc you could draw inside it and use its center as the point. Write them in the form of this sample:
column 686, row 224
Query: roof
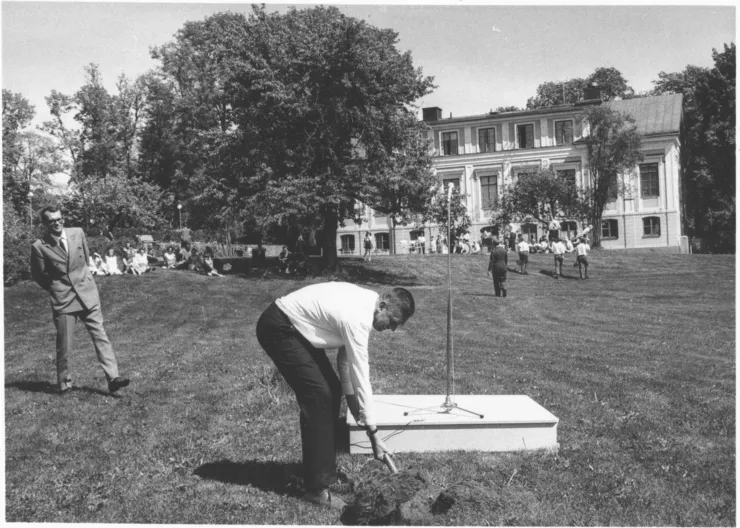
column 658, row 114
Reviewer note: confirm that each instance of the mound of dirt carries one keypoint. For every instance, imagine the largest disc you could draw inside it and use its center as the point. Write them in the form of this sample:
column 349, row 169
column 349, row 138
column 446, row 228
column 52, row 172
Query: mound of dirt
column 382, row 498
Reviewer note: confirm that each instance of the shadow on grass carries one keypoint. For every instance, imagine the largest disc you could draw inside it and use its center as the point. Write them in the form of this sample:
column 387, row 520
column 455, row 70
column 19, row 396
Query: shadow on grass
column 551, row 274
column 280, row 477
column 48, row 388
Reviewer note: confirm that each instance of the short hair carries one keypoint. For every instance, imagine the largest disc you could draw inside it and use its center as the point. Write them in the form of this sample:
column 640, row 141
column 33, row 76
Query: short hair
column 401, row 301
column 48, row 209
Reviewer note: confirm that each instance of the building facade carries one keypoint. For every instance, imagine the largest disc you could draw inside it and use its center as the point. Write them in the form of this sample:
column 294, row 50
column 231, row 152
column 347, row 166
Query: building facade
column 484, row 154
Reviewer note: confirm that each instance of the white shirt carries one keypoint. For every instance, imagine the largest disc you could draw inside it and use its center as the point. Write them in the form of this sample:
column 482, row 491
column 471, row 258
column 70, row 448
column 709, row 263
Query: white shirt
column 554, row 225
column 523, row 247
column 558, row 248
column 338, row 315
column 581, row 249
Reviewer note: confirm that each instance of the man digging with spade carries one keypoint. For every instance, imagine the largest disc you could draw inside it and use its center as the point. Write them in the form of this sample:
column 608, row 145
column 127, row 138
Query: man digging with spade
column 294, row 331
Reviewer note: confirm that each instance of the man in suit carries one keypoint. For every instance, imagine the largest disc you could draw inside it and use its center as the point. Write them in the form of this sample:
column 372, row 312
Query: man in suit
column 498, row 267
column 59, row 265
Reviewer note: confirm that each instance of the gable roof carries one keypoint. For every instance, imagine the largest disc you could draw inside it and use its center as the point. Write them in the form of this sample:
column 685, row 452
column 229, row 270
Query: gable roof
column 658, row 114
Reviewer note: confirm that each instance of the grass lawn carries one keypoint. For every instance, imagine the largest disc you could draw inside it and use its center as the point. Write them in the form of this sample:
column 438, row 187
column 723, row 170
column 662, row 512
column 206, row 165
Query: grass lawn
column 638, row 363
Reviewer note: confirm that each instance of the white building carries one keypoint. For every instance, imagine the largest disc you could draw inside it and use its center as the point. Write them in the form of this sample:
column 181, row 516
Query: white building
column 482, row 154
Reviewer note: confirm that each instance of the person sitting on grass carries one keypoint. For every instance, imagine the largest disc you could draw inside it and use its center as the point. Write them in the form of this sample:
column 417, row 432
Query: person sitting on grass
column 523, row 249
column 141, row 262
column 128, row 264
column 294, row 331
column 283, row 259
column 194, row 262
column 169, row 257
column 209, row 268
column 111, row 262
column 96, row 265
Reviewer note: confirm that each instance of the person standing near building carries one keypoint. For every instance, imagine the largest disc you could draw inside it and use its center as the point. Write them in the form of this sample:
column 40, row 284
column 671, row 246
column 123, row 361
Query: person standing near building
column 558, row 250
column 368, row 245
column 422, row 242
column 59, row 266
column 497, row 267
column 582, row 248
column 553, row 230
column 523, row 249
column 294, row 331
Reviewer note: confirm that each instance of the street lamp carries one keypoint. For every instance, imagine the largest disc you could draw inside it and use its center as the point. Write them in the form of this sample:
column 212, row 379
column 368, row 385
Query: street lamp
column 179, row 214
column 30, row 206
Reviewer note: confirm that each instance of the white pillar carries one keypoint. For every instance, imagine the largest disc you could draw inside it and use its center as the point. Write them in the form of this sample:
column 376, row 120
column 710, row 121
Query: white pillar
column 544, row 136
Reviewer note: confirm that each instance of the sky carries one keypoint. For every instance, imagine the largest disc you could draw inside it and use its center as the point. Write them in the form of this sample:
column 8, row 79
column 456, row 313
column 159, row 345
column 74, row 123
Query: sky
column 481, row 56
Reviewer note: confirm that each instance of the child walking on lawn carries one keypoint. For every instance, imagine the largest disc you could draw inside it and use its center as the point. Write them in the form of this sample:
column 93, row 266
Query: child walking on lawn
column 582, row 257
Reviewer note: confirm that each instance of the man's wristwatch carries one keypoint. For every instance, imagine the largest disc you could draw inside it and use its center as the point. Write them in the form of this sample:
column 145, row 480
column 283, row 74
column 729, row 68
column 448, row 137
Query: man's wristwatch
column 371, row 432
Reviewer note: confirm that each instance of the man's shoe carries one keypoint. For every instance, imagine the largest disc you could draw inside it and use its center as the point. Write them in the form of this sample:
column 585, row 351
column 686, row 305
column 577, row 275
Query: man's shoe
column 504, row 292
column 118, row 383
column 325, row 498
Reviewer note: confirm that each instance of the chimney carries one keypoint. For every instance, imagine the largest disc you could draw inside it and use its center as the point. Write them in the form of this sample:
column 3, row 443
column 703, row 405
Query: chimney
column 431, row 114
column 592, row 92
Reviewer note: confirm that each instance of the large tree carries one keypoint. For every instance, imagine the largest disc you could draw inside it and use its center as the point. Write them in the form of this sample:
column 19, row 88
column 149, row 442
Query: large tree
column 553, row 93
column 612, row 152
column 707, row 146
column 285, row 100
column 539, row 196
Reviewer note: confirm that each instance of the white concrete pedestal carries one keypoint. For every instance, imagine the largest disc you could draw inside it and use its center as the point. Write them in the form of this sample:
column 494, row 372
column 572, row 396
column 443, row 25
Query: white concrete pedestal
column 421, row 423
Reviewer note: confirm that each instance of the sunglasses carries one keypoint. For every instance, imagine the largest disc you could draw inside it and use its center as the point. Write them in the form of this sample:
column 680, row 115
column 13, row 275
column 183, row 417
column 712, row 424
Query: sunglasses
column 55, row 221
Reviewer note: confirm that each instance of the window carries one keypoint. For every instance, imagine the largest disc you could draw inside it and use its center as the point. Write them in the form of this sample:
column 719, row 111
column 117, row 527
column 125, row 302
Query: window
column 609, row 229
column 489, row 191
column 348, row 243
column 525, row 136
column 568, row 229
column 649, row 186
column 567, row 174
column 563, row 132
column 449, row 143
column 486, row 140
column 530, row 232
column 447, row 181
column 416, row 234
column 381, row 241
column 651, row 226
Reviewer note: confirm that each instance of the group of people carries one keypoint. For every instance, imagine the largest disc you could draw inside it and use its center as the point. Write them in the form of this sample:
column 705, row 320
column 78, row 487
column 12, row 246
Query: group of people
column 559, row 246
column 294, row 331
column 141, row 260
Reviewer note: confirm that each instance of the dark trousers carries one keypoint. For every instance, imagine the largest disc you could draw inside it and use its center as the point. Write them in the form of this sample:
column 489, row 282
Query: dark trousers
column 499, row 277
column 317, row 388
column 582, row 265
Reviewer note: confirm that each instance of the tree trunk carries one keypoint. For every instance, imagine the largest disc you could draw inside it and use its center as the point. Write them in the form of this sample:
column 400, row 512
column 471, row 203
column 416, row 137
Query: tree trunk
column 329, row 246
column 391, row 235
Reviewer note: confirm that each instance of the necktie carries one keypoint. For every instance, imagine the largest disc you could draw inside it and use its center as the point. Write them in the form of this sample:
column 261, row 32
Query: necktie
column 63, row 244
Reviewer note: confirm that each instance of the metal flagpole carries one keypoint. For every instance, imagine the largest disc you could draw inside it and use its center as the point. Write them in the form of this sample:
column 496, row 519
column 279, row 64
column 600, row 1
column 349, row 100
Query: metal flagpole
column 448, row 405
column 450, row 361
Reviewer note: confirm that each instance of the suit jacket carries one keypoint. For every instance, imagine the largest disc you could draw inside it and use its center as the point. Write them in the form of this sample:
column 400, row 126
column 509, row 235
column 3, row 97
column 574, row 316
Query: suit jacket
column 499, row 260
column 66, row 277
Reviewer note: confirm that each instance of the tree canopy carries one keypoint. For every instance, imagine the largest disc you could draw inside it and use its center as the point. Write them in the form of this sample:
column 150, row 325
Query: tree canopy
column 707, row 146
column 540, row 195
column 554, row 93
column 612, row 152
column 281, row 103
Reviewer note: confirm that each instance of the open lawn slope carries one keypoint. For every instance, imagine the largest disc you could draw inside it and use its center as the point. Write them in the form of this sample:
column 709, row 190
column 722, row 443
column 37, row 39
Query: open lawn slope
column 638, row 363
